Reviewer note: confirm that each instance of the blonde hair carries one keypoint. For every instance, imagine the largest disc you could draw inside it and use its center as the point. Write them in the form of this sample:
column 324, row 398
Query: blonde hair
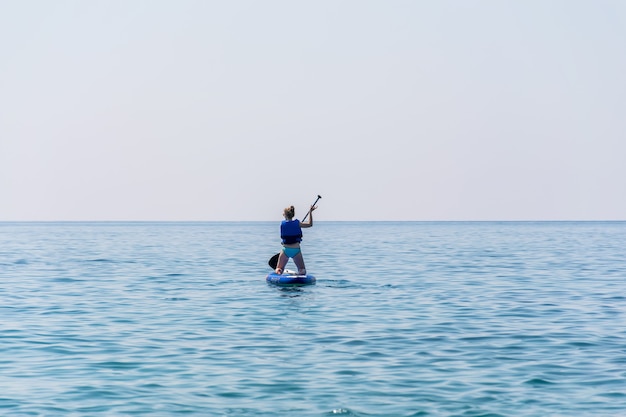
column 289, row 212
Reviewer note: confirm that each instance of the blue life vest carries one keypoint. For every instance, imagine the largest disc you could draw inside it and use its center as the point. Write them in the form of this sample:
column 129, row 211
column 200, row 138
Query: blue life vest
column 290, row 231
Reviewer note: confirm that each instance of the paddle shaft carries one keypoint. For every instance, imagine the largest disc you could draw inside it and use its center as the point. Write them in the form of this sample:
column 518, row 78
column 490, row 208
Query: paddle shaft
column 312, row 205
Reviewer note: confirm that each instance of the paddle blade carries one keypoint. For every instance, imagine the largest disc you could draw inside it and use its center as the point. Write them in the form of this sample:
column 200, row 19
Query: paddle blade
column 273, row 262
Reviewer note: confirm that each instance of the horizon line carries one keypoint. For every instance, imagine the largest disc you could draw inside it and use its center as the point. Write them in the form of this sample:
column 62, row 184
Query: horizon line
column 322, row 221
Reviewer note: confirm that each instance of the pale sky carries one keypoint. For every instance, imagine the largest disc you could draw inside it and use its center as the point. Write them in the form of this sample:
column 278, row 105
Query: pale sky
column 391, row 110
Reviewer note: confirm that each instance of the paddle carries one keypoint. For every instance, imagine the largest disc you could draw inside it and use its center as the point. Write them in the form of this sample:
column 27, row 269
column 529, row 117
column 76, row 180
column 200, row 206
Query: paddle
column 273, row 262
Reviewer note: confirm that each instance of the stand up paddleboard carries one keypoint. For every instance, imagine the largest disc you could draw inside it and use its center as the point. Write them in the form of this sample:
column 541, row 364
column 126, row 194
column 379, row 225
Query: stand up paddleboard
column 290, row 279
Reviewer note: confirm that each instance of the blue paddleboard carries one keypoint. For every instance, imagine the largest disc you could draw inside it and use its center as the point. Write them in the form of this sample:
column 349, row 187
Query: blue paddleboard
column 290, row 278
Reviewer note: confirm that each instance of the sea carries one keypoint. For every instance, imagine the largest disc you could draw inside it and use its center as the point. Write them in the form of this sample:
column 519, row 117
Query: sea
column 406, row 319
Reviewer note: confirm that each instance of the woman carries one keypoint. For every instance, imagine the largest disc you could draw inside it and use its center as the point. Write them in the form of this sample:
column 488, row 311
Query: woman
column 291, row 235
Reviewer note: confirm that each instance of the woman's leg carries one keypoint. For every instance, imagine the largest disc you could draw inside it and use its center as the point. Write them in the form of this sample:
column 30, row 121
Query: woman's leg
column 299, row 261
column 282, row 261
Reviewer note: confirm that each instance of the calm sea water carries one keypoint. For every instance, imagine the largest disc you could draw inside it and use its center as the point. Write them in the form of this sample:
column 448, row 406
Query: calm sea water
column 406, row 319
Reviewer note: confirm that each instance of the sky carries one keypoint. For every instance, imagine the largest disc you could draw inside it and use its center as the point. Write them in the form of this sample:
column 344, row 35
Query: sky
column 390, row 110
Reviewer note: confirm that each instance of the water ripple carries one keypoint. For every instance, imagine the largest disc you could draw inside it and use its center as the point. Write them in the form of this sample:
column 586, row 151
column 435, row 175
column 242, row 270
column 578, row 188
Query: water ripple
column 415, row 319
